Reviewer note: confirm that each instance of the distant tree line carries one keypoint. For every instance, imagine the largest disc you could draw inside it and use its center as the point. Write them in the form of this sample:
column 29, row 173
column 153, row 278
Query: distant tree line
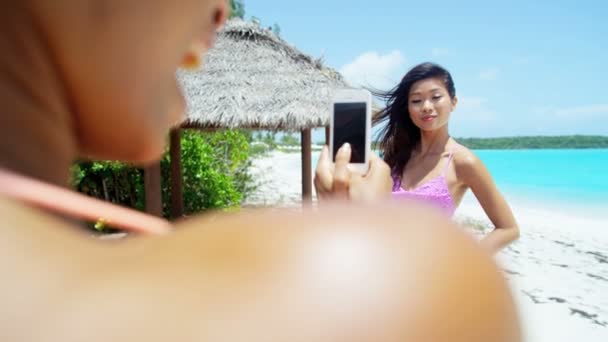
column 536, row 142
column 533, row 142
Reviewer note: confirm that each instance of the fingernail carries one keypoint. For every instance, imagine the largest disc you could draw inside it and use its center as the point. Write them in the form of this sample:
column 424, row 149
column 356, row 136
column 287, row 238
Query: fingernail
column 345, row 148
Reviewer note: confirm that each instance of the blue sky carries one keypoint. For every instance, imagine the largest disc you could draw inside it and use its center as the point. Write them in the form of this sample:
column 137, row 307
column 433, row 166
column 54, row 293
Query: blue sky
column 520, row 67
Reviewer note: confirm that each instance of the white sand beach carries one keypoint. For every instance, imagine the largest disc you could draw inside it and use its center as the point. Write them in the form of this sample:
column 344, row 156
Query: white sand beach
column 558, row 269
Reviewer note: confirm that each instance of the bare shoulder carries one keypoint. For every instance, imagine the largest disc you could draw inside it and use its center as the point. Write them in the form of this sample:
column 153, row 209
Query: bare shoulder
column 36, row 232
column 466, row 163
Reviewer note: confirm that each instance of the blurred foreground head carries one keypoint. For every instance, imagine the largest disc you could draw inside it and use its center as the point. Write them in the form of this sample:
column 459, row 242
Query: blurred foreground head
column 352, row 273
column 96, row 78
column 343, row 273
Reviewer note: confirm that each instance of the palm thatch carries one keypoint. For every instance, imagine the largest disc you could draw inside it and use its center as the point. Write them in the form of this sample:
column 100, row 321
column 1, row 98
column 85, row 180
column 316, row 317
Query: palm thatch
column 254, row 79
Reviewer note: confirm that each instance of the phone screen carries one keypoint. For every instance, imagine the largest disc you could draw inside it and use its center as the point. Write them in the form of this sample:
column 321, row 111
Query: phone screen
column 349, row 127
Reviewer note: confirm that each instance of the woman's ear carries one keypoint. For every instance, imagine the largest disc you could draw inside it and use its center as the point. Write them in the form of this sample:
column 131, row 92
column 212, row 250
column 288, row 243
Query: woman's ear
column 454, row 102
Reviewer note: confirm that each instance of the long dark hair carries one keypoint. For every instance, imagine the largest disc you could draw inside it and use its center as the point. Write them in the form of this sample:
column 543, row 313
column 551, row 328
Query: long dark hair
column 401, row 136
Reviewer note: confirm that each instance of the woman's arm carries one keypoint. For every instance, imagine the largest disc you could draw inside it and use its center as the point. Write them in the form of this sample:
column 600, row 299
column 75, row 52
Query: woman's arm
column 474, row 174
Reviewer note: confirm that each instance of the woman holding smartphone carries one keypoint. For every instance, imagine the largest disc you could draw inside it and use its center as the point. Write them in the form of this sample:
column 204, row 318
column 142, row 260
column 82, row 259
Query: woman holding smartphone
column 96, row 78
column 426, row 163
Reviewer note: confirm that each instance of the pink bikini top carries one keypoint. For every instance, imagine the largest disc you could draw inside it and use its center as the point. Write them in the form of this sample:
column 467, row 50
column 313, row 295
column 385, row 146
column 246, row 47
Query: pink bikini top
column 72, row 204
column 434, row 191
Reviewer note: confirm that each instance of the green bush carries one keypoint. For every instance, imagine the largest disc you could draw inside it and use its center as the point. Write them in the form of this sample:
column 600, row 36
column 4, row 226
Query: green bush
column 258, row 148
column 289, row 139
column 214, row 172
column 112, row 181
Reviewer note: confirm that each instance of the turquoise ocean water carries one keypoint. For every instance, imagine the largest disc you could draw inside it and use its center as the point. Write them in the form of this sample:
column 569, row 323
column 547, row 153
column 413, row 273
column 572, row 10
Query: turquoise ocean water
column 575, row 180
column 561, row 179
column 568, row 175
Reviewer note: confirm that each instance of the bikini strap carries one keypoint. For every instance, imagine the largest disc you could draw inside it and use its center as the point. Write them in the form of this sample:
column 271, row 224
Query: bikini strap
column 70, row 203
column 445, row 169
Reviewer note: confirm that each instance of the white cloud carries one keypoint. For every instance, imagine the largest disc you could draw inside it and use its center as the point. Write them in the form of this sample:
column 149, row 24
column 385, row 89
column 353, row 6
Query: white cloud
column 583, row 112
column 471, row 102
column 372, row 69
column 577, row 113
column 586, row 119
column 440, row 52
column 474, row 117
column 489, row 74
column 472, row 108
column 522, row 60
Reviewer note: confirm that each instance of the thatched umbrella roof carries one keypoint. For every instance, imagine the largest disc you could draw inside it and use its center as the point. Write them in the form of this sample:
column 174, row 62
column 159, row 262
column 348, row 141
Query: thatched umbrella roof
column 254, row 79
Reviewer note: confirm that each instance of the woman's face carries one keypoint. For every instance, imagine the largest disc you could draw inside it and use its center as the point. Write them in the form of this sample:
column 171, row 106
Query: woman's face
column 117, row 60
column 430, row 104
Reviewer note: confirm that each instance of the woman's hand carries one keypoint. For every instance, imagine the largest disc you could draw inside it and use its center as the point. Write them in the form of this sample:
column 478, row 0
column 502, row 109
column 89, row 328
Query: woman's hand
column 338, row 182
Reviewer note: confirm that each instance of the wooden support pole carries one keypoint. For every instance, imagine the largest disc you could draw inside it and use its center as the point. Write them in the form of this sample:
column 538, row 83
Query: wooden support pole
column 152, row 179
column 177, row 197
column 306, row 142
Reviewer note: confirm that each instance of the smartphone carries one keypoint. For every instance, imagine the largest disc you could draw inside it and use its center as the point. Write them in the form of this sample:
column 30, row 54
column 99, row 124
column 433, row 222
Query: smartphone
column 351, row 122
